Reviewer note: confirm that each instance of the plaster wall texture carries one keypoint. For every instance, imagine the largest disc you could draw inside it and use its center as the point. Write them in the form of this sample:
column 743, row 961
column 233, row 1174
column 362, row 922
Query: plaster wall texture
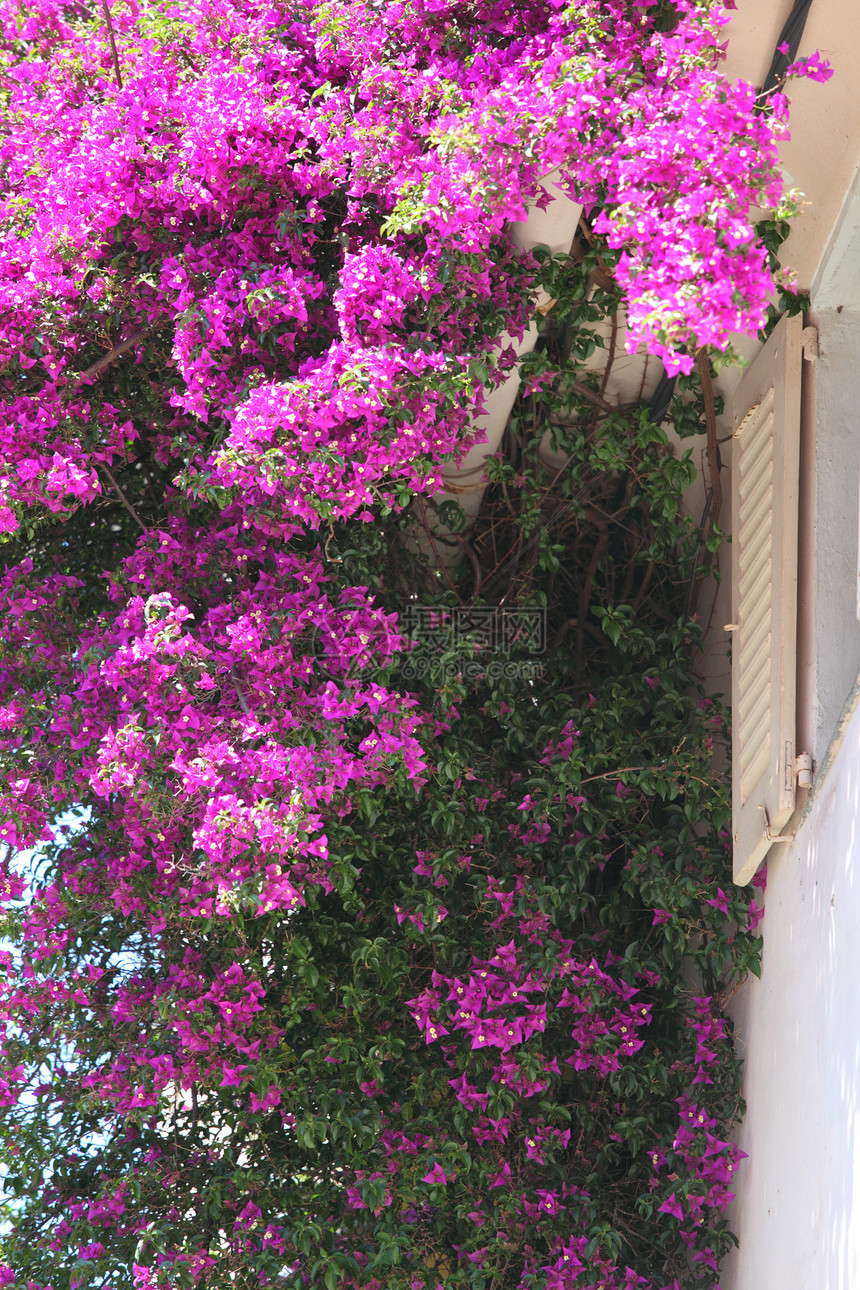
column 797, row 1211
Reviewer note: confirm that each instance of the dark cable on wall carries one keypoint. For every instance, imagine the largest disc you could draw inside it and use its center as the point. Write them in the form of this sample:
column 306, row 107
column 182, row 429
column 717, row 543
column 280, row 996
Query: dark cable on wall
column 790, row 35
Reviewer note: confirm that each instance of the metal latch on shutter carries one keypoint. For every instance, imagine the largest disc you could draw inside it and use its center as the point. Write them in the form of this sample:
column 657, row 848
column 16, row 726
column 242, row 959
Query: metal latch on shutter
column 774, row 837
column 803, row 773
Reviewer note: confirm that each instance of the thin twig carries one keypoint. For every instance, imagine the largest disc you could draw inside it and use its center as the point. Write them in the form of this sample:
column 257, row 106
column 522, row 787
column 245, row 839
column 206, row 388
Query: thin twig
column 711, row 424
column 714, row 496
column 613, row 774
column 585, row 595
column 109, row 25
column 589, row 395
column 610, row 358
column 440, row 562
column 122, row 497
column 101, row 364
column 111, row 356
column 693, row 587
column 243, row 704
column 473, row 559
column 603, row 275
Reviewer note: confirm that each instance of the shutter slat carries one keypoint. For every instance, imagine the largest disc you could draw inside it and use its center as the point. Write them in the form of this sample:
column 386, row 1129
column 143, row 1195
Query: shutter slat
column 761, row 463
column 759, row 504
column 759, row 487
column 757, row 703
column 759, row 535
column 755, row 682
column 746, row 429
column 756, row 753
column 757, row 573
column 757, row 759
column 759, row 595
column 758, row 738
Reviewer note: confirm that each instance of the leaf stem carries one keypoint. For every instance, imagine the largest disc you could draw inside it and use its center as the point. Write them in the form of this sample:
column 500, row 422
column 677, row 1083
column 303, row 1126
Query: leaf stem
column 122, row 497
column 109, row 25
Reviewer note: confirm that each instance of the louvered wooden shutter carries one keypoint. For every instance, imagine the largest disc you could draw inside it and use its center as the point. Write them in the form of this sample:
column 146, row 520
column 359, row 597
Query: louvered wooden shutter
column 764, row 596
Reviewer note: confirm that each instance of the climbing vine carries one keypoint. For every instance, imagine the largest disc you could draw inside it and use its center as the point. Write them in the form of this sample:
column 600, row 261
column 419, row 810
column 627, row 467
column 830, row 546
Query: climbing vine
column 377, row 927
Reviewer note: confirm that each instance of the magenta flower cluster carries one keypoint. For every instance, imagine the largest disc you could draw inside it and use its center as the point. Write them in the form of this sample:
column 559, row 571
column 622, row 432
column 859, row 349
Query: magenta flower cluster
column 258, row 185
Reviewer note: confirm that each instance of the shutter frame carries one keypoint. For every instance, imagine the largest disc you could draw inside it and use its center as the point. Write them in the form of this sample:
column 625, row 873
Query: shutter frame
column 765, row 478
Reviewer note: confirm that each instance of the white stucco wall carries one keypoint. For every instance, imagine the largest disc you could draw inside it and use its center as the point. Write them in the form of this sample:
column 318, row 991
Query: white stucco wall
column 797, row 1212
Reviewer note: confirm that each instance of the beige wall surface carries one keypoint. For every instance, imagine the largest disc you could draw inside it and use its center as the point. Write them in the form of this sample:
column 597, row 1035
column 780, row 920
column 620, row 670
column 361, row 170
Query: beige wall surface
column 821, row 156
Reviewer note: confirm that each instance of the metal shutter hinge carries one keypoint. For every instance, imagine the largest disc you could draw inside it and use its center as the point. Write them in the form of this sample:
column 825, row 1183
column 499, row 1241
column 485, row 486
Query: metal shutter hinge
column 803, row 770
column 809, row 344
